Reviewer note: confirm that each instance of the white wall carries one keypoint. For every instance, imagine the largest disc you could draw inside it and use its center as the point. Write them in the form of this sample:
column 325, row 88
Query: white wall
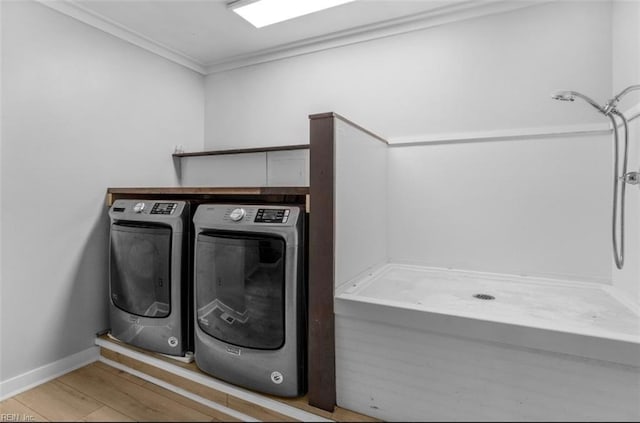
column 489, row 73
column 82, row 111
column 1, row 144
column 529, row 207
column 532, row 206
column 626, row 71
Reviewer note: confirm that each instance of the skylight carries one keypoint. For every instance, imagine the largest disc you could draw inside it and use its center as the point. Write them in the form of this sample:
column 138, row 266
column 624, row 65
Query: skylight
column 261, row 13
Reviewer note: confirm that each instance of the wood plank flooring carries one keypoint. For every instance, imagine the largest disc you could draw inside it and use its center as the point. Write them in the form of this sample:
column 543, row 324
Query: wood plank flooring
column 238, row 404
column 101, row 393
column 98, row 392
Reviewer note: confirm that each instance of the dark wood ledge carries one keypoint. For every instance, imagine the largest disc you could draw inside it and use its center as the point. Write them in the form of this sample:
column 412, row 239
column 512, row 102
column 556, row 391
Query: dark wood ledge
column 243, row 150
column 247, row 194
column 212, row 190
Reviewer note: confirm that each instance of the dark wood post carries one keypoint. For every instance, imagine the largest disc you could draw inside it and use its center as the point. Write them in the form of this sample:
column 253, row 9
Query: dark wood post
column 322, row 377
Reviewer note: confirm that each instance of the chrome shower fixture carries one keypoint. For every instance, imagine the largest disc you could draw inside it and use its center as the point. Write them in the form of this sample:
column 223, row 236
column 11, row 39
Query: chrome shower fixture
column 611, row 104
column 565, row 95
column 619, row 175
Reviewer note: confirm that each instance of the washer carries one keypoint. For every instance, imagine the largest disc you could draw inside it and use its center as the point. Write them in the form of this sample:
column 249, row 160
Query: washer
column 250, row 326
column 149, row 284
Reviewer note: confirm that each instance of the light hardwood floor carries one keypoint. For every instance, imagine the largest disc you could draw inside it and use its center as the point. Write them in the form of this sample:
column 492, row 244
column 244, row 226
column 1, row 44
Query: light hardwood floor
column 98, row 392
column 228, row 400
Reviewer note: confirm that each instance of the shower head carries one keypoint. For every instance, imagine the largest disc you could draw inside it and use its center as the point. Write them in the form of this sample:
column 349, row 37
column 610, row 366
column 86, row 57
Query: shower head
column 564, row 95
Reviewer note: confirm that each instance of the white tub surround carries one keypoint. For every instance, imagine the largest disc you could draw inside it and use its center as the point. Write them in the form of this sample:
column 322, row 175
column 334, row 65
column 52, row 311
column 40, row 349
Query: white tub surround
column 582, row 319
column 402, row 374
column 412, row 341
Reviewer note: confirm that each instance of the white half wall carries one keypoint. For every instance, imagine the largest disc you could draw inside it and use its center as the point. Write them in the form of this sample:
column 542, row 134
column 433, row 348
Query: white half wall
column 490, row 73
column 361, row 199
column 82, row 111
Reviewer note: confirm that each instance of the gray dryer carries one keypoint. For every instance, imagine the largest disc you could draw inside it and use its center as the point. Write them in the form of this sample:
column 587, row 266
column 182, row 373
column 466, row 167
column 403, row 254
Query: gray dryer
column 250, row 326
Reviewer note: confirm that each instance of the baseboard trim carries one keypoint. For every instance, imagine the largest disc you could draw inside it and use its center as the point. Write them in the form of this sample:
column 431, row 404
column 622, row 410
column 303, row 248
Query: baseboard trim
column 43, row 374
column 212, row 383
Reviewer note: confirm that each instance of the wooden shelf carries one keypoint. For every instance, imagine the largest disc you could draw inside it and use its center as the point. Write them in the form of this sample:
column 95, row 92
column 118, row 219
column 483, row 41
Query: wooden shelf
column 243, row 150
column 212, row 190
column 293, row 195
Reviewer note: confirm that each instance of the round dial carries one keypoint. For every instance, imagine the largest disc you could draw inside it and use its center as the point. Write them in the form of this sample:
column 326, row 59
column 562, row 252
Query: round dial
column 138, row 207
column 237, row 214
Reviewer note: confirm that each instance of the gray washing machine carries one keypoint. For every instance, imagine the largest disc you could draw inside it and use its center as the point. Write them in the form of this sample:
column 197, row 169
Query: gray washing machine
column 149, row 284
column 250, row 302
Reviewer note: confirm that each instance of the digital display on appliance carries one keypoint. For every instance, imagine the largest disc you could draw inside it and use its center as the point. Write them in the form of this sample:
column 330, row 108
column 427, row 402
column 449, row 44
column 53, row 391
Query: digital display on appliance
column 272, row 215
column 163, row 208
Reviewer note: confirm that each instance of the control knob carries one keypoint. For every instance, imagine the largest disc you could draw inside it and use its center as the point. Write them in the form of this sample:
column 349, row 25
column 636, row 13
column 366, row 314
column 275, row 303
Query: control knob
column 237, row 215
column 138, row 207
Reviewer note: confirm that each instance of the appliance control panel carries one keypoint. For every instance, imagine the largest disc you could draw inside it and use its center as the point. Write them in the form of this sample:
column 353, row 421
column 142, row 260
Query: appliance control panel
column 134, row 209
column 248, row 214
column 272, row 215
column 163, row 208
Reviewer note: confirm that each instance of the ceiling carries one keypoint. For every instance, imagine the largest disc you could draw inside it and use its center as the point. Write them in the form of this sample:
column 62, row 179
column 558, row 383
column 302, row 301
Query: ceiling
column 208, row 37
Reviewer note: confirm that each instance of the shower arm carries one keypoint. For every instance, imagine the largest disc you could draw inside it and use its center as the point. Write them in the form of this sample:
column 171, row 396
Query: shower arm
column 591, row 101
column 611, row 104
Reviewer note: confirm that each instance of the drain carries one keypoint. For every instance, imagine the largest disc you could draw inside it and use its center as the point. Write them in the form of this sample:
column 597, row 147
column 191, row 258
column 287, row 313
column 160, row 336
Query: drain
column 484, row 297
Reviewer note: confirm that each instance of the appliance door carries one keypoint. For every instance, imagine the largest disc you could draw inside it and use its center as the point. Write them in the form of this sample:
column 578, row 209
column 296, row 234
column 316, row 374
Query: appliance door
column 240, row 288
column 140, row 267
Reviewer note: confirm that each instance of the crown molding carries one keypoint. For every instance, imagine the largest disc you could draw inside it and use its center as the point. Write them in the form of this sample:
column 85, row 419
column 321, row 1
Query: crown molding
column 80, row 13
column 440, row 16
column 456, row 12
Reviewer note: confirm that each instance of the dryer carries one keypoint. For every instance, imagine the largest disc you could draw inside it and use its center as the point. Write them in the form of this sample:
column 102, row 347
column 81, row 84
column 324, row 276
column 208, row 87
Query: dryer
column 149, row 284
column 250, row 296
